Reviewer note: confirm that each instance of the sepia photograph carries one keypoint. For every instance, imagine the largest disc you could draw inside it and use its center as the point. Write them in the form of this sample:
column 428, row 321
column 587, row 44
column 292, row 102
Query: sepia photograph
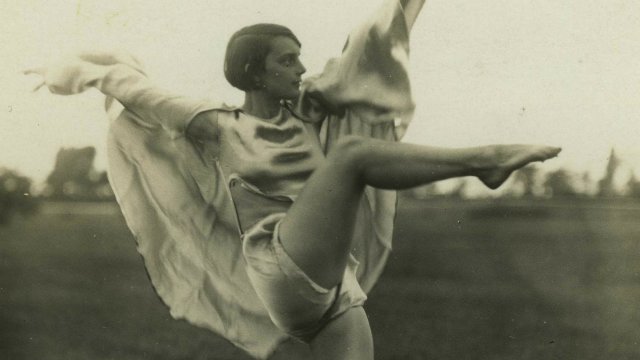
column 280, row 179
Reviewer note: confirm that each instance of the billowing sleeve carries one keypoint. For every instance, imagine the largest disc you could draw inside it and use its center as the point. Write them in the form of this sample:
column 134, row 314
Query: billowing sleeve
column 121, row 78
column 174, row 200
column 367, row 92
column 369, row 82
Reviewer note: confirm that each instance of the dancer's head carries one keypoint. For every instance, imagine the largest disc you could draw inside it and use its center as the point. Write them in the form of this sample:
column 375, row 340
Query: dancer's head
column 264, row 57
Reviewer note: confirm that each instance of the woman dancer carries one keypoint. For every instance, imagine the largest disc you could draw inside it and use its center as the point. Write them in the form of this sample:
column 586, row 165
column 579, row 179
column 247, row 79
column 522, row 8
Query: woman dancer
column 277, row 212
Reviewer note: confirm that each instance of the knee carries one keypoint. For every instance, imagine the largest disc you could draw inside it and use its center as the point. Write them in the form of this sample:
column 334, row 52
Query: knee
column 345, row 337
column 349, row 150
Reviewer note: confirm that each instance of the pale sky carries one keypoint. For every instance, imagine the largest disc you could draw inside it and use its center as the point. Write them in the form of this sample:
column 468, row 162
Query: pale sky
column 495, row 71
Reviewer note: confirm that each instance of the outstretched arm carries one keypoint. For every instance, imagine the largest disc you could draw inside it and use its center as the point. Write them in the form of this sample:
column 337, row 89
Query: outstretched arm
column 119, row 75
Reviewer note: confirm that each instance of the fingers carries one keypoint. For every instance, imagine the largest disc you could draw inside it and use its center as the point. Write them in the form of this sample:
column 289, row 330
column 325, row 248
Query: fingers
column 41, row 70
column 37, row 87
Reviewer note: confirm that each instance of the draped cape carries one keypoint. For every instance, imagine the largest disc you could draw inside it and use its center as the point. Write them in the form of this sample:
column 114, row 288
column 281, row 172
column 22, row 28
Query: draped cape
column 172, row 194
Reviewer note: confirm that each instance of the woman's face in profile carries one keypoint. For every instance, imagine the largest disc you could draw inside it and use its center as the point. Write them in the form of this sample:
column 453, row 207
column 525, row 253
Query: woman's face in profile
column 283, row 69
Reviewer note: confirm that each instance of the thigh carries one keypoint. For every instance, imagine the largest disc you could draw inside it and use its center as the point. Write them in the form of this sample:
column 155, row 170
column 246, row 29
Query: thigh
column 318, row 228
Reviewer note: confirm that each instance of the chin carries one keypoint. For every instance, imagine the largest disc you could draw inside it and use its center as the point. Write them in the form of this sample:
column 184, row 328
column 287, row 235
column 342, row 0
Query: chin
column 292, row 95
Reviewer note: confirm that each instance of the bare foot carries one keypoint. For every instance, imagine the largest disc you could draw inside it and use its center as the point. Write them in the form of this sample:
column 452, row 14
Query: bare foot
column 508, row 158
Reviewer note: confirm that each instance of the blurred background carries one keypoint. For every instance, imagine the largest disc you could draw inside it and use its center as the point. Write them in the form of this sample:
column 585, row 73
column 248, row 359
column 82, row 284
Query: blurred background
column 547, row 266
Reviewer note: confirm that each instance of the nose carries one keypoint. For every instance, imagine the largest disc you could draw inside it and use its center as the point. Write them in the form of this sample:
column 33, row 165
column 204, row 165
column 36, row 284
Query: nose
column 301, row 69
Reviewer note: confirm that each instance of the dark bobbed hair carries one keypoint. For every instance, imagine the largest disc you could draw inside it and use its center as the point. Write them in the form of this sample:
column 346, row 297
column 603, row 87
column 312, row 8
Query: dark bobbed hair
column 247, row 50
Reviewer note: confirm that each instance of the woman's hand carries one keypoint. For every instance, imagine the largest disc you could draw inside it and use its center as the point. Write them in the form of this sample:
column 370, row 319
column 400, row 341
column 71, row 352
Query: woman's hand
column 41, row 72
column 67, row 75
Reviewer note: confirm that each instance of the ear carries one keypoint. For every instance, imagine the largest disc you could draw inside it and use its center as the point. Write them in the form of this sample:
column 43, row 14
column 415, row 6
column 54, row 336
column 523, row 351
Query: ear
column 258, row 83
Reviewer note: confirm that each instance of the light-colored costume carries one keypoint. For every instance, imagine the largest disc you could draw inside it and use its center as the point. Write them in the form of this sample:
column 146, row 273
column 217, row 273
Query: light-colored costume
column 176, row 195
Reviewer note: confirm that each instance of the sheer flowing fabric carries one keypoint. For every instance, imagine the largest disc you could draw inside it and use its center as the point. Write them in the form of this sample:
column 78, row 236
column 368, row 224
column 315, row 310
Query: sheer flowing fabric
column 175, row 201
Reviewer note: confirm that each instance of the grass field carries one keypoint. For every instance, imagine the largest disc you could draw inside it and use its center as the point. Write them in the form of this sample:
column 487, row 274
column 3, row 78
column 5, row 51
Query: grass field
column 467, row 280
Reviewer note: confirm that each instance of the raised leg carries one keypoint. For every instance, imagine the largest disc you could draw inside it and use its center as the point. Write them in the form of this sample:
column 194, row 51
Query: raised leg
column 318, row 228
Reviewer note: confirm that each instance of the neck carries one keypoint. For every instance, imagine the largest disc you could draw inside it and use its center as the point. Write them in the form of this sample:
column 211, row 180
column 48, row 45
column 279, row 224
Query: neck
column 258, row 104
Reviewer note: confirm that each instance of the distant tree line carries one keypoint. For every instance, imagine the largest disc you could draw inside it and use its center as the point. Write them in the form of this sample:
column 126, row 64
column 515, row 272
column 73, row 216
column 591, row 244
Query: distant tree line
column 74, row 177
column 15, row 195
